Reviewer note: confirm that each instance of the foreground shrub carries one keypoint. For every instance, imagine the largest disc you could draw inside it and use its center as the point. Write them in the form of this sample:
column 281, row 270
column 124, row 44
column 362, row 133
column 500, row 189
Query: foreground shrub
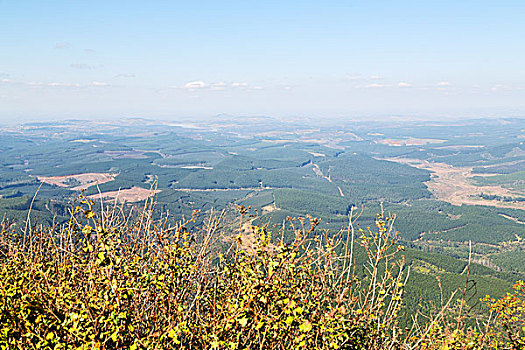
column 509, row 311
column 109, row 282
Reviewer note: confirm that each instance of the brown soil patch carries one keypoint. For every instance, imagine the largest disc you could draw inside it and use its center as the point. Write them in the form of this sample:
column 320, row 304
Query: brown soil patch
column 453, row 185
column 134, row 194
column 86, row 180
column 269, row 208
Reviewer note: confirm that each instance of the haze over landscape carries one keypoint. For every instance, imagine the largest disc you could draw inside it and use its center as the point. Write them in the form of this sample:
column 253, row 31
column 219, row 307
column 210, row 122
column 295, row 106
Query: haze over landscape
column 173, row 59
column 262, row 175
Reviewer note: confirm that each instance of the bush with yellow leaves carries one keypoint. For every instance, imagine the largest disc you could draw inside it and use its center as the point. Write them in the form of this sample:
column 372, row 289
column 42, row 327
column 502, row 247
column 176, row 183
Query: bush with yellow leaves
column 107, row 281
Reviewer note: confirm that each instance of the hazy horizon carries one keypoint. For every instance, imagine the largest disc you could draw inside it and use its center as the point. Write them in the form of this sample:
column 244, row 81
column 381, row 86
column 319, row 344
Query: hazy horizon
column 322, row 60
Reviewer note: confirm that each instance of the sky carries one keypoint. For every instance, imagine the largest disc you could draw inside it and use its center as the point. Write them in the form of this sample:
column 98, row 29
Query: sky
column 196, row 59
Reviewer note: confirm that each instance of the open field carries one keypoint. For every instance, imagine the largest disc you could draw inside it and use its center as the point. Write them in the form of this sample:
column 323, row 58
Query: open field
column 456, row 186
column 134, row 194
column 79, row 181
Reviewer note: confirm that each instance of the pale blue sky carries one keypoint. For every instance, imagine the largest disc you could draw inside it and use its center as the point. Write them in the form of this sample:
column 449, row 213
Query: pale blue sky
column 170, row 59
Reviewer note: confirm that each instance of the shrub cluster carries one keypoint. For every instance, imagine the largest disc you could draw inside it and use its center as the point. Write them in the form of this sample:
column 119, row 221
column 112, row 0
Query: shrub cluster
column 107, row 280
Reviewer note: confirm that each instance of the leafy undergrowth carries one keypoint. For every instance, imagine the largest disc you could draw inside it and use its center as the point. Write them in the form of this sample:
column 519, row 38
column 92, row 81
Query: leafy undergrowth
column 107, row 281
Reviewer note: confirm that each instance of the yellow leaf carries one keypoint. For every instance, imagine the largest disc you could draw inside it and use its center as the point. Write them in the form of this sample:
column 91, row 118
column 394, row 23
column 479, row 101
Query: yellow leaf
column 172, row 334
column 289, row 320
column 243, row 321
column 306, row 326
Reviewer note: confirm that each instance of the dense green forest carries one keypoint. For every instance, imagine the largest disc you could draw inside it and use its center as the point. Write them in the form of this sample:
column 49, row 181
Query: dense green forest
column 327, row 171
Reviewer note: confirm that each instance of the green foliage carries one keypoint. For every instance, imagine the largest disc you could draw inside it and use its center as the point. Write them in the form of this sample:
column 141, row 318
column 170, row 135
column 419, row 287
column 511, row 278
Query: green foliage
column 509, row 311
column 105, row 282
column 100, row 282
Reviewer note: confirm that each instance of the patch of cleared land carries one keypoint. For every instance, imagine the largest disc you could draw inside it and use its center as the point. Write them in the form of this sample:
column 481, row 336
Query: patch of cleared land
column 82, row 140
column 79, row 181
column 196, row 167
column 269, row 208
column 456, row 186
column 315, row 154
column 319, row 173
column 409, row 142
column 133, row 194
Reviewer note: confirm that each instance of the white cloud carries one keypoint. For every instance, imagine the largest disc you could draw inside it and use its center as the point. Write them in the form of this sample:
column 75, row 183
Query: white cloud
column 402, row 84
column 354, row 77
column 198, row 84
column 63, row 85
column 50, row 84
column 216, row 86
column 502, row 87
column 376, row 77
column 125, row 75
column 53, row 84
column 443, row 83
column 99, row 83
column 63, row 45
column 82, row 66
column 376, row 86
